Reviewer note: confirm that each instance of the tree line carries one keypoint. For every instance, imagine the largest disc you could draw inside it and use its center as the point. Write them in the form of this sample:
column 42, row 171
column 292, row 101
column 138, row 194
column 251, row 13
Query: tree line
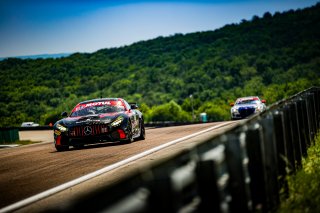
column 273, row 56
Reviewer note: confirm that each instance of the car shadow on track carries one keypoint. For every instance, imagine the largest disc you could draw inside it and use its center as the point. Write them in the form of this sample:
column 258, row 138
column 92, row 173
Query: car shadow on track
column 94, row 146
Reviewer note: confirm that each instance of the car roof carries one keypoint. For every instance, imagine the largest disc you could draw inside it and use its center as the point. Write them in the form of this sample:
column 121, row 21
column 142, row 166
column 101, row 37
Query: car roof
column 100, row 99
column 248, row 98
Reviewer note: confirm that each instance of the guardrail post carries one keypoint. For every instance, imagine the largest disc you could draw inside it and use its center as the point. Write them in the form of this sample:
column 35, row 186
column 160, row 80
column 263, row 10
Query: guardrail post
column 256, row 168
column 161, row 198
column 279, row 131
column 213, row 177
column 289, row 153
column 295, row 133
column 303, row 125
column 270, row 162
column 174, row 186
column 130, row 196
column 315, row 93
column 313, row 107
column 237, row 166
column 308, row 123
column 311, row 115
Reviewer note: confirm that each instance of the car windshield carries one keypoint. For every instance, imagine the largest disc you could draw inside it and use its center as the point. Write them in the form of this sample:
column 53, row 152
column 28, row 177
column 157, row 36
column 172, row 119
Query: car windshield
column 93, row 108
column 248, row 101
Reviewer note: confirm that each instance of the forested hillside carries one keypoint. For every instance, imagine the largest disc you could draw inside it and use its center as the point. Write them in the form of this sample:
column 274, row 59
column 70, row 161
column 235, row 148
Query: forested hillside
column 272, row 56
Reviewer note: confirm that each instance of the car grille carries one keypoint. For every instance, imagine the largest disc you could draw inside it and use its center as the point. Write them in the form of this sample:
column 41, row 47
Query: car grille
column 89, row 130
column 246, row 111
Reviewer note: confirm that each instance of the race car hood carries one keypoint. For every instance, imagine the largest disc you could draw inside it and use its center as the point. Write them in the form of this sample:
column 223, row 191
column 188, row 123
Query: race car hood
column 90, row 119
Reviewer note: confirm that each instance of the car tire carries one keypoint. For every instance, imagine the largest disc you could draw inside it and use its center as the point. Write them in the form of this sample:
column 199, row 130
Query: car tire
column 142, row 135
column 129, row 134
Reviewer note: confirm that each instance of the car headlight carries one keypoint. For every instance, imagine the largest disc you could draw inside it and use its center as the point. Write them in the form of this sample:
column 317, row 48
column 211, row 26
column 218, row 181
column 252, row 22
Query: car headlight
column 117, row 122
column 62, row 128
column 258, row 108
column 233, row 110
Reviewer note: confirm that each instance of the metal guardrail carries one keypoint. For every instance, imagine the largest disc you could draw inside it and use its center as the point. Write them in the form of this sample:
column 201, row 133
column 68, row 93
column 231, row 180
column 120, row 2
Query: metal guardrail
column 241, row 170
column 9, row 135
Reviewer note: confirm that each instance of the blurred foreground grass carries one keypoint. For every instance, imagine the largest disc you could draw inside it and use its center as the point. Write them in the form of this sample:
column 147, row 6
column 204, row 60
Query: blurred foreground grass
column 304, row 185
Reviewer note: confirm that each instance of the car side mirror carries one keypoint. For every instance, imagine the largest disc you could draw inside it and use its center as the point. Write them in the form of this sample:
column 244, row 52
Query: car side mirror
column 232, row 104
column 64, row 114
column 264, row 101
column 134, row 106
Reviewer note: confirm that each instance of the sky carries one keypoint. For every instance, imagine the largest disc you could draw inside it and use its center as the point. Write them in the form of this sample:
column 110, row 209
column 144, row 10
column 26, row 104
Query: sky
column 32, row 27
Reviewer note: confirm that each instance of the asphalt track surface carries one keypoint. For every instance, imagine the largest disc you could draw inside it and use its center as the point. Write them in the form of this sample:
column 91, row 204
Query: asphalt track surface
column 28, row 170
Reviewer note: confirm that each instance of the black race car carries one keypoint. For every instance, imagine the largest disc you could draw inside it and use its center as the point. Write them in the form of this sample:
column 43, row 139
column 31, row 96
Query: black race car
column 99, row 120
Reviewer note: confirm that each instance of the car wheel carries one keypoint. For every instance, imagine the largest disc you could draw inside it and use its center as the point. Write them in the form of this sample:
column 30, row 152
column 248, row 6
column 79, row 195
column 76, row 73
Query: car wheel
column 61, row 148
column 142, row 131
column 129, row 134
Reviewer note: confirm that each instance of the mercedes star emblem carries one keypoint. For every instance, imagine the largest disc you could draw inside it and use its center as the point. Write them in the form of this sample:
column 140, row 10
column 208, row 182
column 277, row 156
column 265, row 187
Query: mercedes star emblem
column 87, row 130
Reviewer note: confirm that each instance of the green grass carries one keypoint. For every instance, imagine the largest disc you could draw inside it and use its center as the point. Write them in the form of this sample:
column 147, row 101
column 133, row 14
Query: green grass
column 22, row 142
column 304, row 185
column 26, row 142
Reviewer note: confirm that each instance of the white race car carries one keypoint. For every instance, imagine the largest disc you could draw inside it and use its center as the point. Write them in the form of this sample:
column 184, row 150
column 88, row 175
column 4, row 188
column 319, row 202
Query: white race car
column 29, row 124
column 246, row 106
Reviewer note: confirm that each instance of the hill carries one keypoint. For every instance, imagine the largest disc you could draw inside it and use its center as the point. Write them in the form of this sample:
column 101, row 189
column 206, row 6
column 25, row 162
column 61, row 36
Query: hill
column 58, row 55
column 271, row 56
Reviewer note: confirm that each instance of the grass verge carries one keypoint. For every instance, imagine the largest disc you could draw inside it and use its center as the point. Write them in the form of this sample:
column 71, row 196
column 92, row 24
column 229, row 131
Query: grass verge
column 304, row 185
column 22, row 142
column 26, row 142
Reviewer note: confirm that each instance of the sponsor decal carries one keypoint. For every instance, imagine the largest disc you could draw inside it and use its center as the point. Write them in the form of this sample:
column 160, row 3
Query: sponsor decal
column 93, row 122
column 57, row 132
column 88, row 121
column 98, row 103
column 247, row 99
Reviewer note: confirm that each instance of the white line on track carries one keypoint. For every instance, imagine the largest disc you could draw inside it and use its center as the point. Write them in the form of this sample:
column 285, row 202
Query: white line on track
column 49, row 192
